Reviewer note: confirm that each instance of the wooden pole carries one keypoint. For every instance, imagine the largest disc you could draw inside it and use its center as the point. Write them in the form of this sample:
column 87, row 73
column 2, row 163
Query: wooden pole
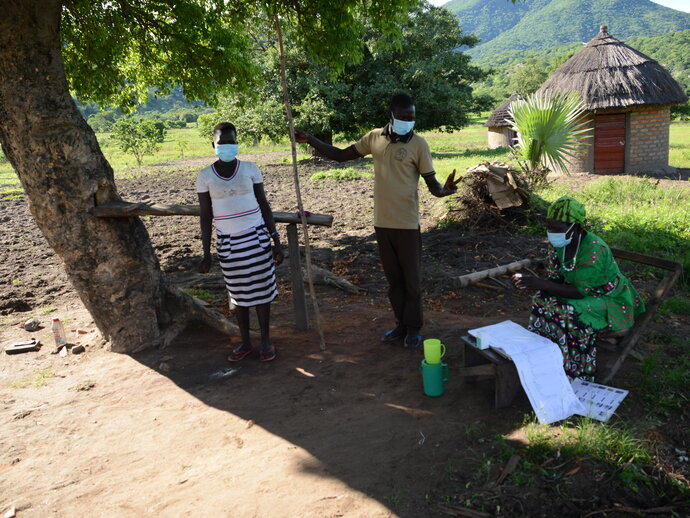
column 660, row 293
column 299, row 302
column 300, row 207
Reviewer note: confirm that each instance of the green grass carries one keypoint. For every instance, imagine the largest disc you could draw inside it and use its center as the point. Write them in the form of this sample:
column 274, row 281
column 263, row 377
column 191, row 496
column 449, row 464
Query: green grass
column 677, row 305
column 38, row 379
column 204, row 295
column 347, row 174
column 553, row 453
column 663, row 382
column 679, row 152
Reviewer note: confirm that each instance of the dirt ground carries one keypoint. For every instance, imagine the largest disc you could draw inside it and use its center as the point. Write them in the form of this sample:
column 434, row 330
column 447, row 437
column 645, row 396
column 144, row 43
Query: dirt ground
column 345, row 432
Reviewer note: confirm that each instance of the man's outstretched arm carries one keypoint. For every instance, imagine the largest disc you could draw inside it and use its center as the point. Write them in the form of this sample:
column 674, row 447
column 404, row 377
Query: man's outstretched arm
column 332, row 152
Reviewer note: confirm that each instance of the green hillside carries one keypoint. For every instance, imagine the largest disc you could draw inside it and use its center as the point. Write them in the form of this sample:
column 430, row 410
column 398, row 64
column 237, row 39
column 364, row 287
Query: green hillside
column 516, row 70
column 538, row 24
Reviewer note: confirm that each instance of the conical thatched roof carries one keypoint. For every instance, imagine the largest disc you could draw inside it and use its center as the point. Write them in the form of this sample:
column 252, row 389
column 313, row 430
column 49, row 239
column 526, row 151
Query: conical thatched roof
column 499, row 117
column 609, row 75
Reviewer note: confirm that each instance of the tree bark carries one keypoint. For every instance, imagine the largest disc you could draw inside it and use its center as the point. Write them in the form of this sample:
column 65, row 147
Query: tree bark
column 110, row 262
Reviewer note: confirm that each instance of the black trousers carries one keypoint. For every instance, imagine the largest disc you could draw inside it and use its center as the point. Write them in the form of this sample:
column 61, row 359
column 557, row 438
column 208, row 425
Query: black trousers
column 401, row 257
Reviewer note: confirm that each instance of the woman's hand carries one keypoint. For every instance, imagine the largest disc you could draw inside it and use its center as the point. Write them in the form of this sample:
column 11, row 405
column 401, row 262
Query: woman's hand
column 528, row 282
column 278, row 254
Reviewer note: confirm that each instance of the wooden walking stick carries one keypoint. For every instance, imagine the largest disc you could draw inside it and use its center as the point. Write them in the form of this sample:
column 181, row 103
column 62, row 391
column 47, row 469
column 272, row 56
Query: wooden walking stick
column 300, row 207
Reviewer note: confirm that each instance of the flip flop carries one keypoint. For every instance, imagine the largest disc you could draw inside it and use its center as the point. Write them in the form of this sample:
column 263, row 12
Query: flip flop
column 392, row 336
column 238, row 355
column 268, row 356
column 412, row 342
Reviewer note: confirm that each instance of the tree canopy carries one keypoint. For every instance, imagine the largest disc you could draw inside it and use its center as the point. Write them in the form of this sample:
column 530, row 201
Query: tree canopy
column 424, row 63
column 114, row 51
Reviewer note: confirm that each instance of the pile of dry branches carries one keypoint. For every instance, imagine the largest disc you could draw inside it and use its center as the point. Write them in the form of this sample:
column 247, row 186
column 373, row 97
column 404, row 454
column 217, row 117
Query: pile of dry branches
column 495, row 196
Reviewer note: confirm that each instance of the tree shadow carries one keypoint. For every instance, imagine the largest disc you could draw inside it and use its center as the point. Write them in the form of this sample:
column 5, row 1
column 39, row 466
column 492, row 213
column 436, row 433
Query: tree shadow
column 358, row 408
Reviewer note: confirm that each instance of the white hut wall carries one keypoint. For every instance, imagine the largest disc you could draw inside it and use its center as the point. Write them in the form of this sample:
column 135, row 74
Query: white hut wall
column 500, row 136
column 648, row 140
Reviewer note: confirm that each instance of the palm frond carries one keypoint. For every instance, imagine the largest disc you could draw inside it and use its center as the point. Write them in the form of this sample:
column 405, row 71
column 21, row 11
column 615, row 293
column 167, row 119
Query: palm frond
column 550, row 128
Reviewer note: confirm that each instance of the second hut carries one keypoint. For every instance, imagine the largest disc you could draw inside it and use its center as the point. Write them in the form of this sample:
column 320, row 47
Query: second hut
column 500, row 130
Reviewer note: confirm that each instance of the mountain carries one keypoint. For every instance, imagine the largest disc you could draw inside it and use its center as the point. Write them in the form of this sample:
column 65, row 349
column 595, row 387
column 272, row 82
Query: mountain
column 538, row 24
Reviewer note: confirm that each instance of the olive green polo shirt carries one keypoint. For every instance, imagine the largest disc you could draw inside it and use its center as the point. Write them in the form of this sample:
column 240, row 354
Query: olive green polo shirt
column 397, row 168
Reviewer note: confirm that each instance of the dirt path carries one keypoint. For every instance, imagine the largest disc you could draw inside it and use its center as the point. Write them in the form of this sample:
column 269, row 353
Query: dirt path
column 346, row 432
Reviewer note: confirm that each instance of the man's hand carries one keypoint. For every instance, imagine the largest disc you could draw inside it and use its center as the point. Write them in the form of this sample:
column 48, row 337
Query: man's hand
column 204, row 265
column 302, row 137
column 451, row 185
column 278, row 254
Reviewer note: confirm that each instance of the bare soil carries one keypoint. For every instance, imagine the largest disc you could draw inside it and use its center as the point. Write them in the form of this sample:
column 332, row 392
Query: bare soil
column 342, row 432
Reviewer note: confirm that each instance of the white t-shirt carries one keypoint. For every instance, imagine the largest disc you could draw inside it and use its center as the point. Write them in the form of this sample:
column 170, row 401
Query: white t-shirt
column 235, row 207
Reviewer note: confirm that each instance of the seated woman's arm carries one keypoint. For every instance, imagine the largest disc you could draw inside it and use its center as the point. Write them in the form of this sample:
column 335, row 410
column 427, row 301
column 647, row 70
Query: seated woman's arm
column 528, row 282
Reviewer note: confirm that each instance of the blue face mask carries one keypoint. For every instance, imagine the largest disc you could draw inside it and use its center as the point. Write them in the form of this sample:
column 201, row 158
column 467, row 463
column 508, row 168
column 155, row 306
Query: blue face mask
column 226, row 152
column 558, row 239
column 402, row 127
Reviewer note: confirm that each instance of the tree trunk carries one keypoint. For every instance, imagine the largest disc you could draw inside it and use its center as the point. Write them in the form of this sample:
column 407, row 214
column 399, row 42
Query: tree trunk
column 110, row 262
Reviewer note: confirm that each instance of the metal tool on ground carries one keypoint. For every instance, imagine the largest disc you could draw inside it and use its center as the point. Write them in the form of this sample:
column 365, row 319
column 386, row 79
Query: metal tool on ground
column 23, row 346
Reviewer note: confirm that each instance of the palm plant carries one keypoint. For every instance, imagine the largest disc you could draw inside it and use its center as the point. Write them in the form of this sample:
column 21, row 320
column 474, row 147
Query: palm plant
column 549, row 127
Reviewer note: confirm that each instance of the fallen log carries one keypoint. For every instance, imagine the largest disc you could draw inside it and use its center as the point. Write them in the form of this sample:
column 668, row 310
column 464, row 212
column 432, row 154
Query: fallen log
column 471, row 278
column 322, row 276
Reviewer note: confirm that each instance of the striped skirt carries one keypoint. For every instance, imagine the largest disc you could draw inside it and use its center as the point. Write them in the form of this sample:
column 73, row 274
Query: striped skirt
column 247, row 263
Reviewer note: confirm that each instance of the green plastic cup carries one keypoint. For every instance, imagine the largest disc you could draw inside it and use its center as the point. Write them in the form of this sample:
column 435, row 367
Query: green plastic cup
column 434, row 350
column 434, row 377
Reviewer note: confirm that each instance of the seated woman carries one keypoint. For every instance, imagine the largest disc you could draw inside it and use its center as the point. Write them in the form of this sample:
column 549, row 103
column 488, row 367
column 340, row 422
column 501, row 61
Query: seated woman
column 584, row 291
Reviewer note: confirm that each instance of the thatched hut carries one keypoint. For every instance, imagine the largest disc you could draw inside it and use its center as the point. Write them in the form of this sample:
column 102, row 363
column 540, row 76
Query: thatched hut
column 628, row 97
column 500, row 132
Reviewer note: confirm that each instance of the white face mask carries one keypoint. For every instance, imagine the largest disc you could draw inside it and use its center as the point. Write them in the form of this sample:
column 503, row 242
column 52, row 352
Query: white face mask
column 401, row 127
column 558, row 239
column 226, row 152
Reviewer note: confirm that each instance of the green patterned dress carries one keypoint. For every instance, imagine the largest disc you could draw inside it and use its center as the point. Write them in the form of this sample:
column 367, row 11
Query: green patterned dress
column 609, row 302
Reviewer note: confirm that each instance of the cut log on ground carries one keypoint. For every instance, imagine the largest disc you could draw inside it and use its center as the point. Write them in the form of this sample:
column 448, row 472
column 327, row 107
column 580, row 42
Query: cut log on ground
column 326, row 278
column 471, row 278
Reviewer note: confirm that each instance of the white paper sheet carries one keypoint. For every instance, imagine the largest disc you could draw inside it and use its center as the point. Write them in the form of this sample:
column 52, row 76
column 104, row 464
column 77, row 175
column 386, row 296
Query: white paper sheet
column 599, row 401
column 539, row 363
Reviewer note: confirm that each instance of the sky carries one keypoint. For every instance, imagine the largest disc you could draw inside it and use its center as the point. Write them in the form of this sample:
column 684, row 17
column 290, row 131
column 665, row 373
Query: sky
column 681, row 5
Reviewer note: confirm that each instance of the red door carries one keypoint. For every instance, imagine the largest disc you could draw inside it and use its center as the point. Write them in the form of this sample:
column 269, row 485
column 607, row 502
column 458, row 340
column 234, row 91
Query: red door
column 609, row 143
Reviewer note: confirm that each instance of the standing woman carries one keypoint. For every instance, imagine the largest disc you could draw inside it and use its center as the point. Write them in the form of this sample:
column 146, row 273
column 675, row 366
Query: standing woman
column 584, row 292
column 231, row 193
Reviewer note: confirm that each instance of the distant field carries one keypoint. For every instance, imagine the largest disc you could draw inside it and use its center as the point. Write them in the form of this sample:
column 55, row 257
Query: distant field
column 458, row 150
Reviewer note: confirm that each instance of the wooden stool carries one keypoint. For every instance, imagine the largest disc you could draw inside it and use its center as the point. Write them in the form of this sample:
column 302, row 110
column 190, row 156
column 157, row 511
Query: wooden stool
column 480, row 363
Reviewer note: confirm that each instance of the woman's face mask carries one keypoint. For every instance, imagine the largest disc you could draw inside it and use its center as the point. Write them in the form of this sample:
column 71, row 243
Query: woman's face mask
column 558, row 239
column 226, row 152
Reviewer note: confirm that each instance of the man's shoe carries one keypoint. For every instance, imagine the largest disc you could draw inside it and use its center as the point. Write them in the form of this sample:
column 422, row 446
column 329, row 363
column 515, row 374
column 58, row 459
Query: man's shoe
column 394, row 335
column 413, row 342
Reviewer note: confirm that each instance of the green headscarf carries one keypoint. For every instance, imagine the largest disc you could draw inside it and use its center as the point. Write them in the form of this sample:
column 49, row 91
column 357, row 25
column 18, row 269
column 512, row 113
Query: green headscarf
column 567, row 210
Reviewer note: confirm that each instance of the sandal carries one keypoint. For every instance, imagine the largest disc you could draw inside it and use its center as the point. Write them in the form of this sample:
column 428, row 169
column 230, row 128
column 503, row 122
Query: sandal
column 412, row 342
column 393, row 335
column 268, row 356
column 239, row 354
